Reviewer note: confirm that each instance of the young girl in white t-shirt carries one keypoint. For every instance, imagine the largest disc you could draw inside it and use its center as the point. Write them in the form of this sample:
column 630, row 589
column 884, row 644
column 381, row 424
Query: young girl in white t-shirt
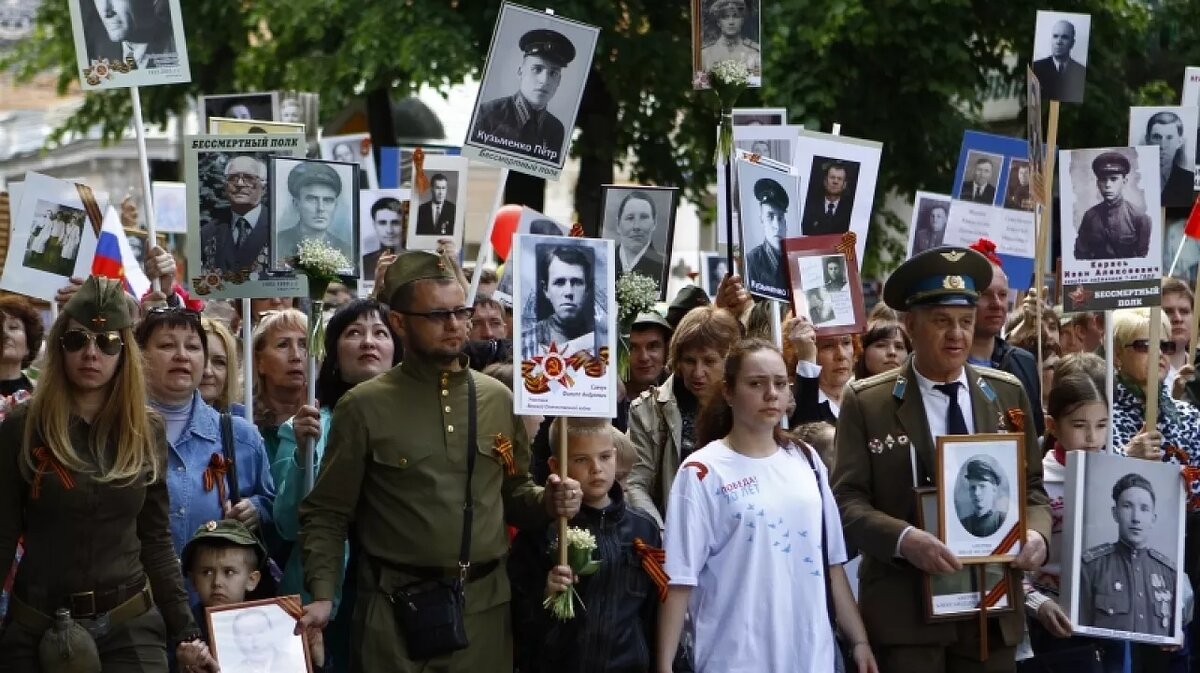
column 750, row 513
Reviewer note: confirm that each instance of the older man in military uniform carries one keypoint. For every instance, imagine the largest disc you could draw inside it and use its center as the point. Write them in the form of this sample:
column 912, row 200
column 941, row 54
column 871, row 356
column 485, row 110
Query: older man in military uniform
column 1113, row 228
column 730, row 16
column 396, row 465
column 983, row 519
column 1125, row 585
column 886, row 434
column 764, row 263
column 520, row 122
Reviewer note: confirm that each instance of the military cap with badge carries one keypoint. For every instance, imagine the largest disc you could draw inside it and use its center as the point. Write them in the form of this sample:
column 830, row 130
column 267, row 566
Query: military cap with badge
column 103, row 308
column 771, row 193
column 549, row 45
column 410, row 267
column 313, row 173
column 942, row 276
column 1110, row 163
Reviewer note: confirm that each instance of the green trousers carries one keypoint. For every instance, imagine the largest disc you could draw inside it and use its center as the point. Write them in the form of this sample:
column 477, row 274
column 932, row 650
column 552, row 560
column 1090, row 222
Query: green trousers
column 380, row 648
column 136, row 646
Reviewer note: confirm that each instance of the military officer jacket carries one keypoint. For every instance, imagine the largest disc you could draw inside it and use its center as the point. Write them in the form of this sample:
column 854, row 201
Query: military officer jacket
column 1127, row 589
column 744, row 50
column 983, row 526
column 1113, row 232
column 512, row 124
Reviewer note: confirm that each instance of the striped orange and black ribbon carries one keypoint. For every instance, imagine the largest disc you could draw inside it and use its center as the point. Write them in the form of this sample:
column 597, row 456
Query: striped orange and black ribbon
column 992, row 598
column 652, row 560
column 420, row 182
column 504, row 450
column 214, row 476
column 45, row 463
column 847, row 245
column 91, row 207
column 1009, row 541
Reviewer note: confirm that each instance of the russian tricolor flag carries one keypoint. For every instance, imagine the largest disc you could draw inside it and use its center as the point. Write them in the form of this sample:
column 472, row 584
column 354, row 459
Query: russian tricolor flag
column 112, row 251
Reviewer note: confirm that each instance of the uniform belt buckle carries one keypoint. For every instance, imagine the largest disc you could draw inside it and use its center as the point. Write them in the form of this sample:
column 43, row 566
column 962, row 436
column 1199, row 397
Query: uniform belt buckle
column 78, row 600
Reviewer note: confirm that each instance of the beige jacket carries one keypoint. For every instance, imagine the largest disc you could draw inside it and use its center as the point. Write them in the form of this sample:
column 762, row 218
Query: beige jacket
column 655, row 428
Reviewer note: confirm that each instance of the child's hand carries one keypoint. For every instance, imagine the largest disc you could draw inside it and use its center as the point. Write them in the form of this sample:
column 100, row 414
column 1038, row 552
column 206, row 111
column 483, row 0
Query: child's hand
column 559, row 580
column 316, row 647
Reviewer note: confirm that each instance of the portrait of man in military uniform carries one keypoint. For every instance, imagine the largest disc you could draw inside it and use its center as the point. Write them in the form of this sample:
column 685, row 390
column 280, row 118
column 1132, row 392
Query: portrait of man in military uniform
column 322, row 198
column 984, row 487
column 928, row 224
column 1115, row 228
column 1128, row 585
column 767, row 213
column 724, row 33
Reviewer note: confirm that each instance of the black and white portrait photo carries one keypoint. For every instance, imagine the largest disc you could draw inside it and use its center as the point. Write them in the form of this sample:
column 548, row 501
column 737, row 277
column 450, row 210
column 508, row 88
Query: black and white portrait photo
column 52, row 237
column 716, row 267
column 315, row 201
column 532, row 84
column 829, row 299
column 981, row 489
column 1060, row 53
column 439, row 211
column 830, row 198
column 769, row 199
column 1191, row 99
column 381, row 216
column 404, row 161
column 1110, row 211
column 259, row 106
column 301, row 107
column 759, row 116
column 727, row 30
column 641, row 223
column 1173, row 131
column 1018, row 191
column 354, row 148
column 122, row 43
column 928, row 226
column 565, row 314
column 1123, row 556
column 775, row 142
column 982, row 174
column 257, row 637
column 955, row 594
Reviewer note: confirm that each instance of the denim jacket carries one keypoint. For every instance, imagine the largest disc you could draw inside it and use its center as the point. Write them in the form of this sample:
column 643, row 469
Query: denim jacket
column 188, row 459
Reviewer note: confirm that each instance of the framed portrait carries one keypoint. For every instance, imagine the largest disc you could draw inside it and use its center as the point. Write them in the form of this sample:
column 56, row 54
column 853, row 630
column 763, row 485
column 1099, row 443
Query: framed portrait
column 314, row 200
column 302, row 107
column 776, row 143
column 840, row 174
column 170, row 207
column 825, row 286
column 227, row 126
column 640, row 221
column 396, row 163
column 230, row 221
column 724, row 30
column 1172, row 129
column 1060, row 54
column 1118, row 264
column 383, row 214
column 124, row 44
column 1122, row 560
column 759, row 116
column 769, row 201
column 354, row 148
column 927, row 228
column 53, row 237
column 566, row 318
column 537, row 64
column 263, row 106
column 714, row 268
column 1191, row 98
column 531, row 222
column 440, row 210
column 981, row 496
column 257, row 637
column 982, row 173
column 956, row 595
column 1036, row 149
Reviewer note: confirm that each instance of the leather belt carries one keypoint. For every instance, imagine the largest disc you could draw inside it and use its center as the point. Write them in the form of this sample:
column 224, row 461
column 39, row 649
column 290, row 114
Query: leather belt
column 97, row 622
column 475, row 572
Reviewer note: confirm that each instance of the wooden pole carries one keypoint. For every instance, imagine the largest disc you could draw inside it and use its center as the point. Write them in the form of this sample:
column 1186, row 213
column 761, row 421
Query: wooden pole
column 485, row 246
column 1193, row 342
column 1045, row 220
column 983, row 616
column 248, row 360
column 561, row 456
column 728, row 167
column 777, row 335
column 1152, row 369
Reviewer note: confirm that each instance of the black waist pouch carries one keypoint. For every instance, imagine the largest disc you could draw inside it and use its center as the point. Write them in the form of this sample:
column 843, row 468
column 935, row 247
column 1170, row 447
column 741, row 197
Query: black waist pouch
column 430, row 616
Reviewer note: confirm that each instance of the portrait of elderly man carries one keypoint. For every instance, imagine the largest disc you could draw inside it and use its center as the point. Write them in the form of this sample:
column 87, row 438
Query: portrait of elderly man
column 238, row 235
column 1061, row 77
column 1165, row 129
column 565, row 311
column 981, row 187
column 633, row 231
column 729, row 16
column 520, row 122
column 137, row 29
column 984, row 516
column 316, row 191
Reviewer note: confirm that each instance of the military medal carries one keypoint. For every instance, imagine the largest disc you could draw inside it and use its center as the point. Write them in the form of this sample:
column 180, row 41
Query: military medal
column 1116, row 586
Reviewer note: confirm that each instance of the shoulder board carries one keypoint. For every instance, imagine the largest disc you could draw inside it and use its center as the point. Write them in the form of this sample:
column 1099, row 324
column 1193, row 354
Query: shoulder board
column 1098, row 551
column 1162, row 558
column 885, row 378
column 998, row 375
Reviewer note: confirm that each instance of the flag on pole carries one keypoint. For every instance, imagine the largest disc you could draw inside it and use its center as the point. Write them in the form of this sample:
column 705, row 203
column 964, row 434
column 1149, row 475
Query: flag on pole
column 1192, row 228
column 115, row 259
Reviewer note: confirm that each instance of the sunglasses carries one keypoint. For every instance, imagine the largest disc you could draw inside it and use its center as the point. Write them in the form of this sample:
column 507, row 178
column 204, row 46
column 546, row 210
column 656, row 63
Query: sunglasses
column 187, row 313
column 460, row 314
column 1143, row 346
column 75, row 340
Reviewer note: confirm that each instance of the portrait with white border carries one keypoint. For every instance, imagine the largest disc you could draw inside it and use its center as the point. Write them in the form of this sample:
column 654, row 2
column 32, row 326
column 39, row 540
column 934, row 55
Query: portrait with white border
column 769, row 201
column 439, row 211
column 1060, row 54
column 640, row 220
column 981, row 493
column 258, row 637
column 1172, row 129
column 816, row 153
column 316, row 201
column 356, row 148
column 125, row 43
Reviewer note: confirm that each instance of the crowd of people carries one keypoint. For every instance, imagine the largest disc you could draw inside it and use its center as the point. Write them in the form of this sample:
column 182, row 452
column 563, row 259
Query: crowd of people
column 746, row 506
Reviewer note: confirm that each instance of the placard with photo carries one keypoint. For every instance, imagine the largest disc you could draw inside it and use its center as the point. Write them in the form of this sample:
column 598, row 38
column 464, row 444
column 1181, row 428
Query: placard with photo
column 53, row 236
column 566, row 318
column 222, row 126
column 314, row 201
column 759, row 116
column 714, row 267
column 439, row 211
column 396, row 163
column 353, row 148
column 259, row 636
column 825, row 285
column 531, row 222
column 1122, row 559
column 1111, row 231
column 383, row 214
column 533, row 81
column 1172, row 129
column 981, row 496
column 170, row 207
column 993, row 170
column 1060, row 54
column 262, row 105
column 927, row 228
column 1035, row 145
column 840, row 174
column 129, row 43
column 1191, row 98
column 640, row 221
column 229, row 216
column 769, row 202
column 955, row 595
column 301, row 107
column 726, row 30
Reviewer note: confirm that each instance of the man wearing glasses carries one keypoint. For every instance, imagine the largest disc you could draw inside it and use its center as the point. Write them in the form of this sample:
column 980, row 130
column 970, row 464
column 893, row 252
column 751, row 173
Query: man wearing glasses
column 404, row 451
column 237, row 238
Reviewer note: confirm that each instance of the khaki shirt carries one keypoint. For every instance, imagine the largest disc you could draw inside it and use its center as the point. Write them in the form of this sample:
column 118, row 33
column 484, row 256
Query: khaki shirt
column 396, row 465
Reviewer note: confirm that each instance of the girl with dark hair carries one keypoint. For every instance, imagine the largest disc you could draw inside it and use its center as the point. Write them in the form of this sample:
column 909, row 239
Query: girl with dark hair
column 753, row 535
column 885, row 346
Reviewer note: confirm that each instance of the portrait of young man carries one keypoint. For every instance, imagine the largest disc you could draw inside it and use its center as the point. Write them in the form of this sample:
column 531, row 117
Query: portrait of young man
column 984, row 486
column 388, row 221
column 565, row 311
column 316, row 191
column 1113, row 228
column 981, row 188
column 435, row 217
column 834, row 270
column 1165, row 130
column 1017, row 195
column 765, row 262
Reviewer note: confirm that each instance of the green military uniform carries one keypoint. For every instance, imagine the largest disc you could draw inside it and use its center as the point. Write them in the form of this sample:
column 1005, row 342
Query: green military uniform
column 1113, row 229
column 100, row 549
column 882, row 434
column 724, row 49
column 395, row 466
column 986, row 524
column 1127, row 589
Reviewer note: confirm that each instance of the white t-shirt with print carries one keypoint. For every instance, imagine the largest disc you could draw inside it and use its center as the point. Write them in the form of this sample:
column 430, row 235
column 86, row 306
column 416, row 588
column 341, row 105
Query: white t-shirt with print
column 746, row 534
